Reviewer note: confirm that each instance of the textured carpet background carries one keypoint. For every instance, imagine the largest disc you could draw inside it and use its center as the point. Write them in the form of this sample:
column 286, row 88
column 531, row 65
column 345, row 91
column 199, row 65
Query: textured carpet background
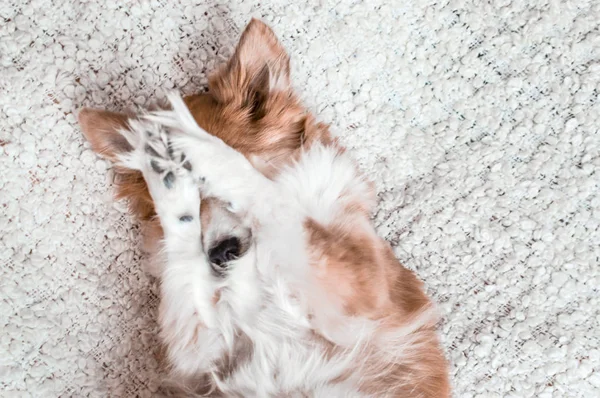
column 477, row 119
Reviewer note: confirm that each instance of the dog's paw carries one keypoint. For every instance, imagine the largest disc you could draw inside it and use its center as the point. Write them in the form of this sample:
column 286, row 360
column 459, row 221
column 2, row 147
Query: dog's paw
column 168, row 175
column 222, row 171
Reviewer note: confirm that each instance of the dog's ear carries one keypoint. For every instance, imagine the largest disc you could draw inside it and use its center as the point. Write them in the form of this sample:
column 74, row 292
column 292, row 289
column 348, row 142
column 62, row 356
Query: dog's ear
column 258, row 70
column 101, row 128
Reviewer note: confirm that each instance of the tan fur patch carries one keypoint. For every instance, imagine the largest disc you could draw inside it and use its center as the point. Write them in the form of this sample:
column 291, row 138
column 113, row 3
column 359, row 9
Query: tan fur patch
column 360, row 270
column 259, row 118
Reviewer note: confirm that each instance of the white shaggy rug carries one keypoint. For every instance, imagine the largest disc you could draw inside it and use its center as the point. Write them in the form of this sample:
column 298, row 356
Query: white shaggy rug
column 478, row 120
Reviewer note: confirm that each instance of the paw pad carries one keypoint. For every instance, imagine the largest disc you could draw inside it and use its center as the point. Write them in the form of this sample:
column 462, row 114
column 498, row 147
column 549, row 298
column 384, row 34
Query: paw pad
column 169, row 180
column 156, row 167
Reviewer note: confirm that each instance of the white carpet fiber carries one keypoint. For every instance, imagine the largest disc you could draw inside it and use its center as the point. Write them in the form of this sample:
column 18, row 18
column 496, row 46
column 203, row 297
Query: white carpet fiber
column 479, row 121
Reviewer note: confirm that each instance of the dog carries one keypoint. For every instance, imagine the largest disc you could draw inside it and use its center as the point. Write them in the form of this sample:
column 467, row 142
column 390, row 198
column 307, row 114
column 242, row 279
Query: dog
column 273, row 280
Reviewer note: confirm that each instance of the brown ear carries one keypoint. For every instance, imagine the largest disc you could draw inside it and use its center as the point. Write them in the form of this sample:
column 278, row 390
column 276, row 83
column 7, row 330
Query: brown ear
column 101, row 128
column 259, row 68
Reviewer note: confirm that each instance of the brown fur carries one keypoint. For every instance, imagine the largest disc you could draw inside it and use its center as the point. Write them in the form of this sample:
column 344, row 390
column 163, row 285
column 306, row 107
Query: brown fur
column 239, row 109
column 251, row 107
column 360, row 270
column 101, row 130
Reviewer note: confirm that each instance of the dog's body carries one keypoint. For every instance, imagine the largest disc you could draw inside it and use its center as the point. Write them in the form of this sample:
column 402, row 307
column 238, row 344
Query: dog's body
column 273, row 280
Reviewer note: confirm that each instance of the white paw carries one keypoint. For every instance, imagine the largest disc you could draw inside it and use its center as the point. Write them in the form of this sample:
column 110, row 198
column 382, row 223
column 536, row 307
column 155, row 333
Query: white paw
column 222, row 171
column 201, row 153
column 167, row 172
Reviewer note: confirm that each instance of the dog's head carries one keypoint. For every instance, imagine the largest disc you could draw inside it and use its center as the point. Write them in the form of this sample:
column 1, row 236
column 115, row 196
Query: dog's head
column 250, row 105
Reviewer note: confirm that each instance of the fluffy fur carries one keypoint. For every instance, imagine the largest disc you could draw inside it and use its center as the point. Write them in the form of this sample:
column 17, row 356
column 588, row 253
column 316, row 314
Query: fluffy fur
column 313, row 302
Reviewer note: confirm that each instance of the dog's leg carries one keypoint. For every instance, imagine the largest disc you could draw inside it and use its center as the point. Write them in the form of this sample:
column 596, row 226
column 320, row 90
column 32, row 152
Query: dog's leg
column 186, row 313
column 323, row 183
column 225, row 173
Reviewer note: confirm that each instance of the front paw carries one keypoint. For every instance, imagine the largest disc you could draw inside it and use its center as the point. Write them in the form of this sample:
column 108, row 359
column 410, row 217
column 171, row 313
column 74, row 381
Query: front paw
column 168, row 174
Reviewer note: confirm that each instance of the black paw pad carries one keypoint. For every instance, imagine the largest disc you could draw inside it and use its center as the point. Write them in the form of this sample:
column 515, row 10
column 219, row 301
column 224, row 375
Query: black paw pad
column 169, row 180
column 187, row 165
column 186, row 218
column 156, row 167
column 151, row 151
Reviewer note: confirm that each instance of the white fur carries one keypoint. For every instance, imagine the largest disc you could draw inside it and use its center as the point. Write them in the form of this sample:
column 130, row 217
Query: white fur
column 268, row 294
